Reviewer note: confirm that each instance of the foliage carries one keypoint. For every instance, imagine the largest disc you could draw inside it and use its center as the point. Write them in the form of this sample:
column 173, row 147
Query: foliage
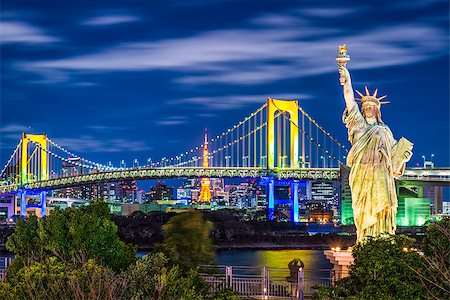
column 143, row 279
column 72, row 234
column 53, row 279
column 381, row 270
column 187, row 240
column 149, row 278
column 435, row 278
column 153, row 277
column 25, row 240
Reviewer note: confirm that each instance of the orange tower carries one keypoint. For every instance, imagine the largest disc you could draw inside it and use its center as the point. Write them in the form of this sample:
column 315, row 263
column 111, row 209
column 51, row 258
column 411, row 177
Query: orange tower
column 205, row 193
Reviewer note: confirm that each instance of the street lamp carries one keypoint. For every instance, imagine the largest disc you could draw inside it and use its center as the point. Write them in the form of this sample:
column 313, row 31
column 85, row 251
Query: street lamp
column 323, row 161
column 283, row 160
column 244, row 161
column 263, row 161
column 227, row 161
column 423, row 156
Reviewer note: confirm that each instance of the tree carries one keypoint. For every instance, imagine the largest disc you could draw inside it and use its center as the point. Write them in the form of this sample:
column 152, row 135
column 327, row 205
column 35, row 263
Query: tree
column 73, row 235
column 187, row 240
column 381, row 270
column 435, row 278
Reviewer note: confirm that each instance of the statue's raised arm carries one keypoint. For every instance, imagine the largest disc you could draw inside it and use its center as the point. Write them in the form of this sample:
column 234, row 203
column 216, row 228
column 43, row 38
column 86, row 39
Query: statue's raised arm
column 346, row 82
column 343, row 58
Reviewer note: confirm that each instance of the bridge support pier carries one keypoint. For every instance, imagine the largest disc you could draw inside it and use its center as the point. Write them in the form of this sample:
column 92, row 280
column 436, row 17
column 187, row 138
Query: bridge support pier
column 294, row 201
column 23, row 202
column 271, row 199
column 42, row 206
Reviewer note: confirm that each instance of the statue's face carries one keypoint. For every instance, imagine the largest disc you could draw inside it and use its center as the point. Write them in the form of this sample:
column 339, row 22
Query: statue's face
column 369, row 109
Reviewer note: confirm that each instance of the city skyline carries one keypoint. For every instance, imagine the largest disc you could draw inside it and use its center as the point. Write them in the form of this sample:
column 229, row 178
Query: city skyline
column 142, row 80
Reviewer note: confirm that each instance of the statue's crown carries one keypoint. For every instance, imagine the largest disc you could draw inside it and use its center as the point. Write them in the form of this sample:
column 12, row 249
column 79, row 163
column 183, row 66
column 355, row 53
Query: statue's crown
column 371, row 98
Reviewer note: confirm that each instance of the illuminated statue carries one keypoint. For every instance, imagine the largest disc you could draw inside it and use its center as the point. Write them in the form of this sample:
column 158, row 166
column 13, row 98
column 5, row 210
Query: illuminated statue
column 375, row 158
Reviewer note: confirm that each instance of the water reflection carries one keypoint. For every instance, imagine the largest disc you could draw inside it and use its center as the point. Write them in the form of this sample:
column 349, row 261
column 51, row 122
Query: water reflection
column 316, row 265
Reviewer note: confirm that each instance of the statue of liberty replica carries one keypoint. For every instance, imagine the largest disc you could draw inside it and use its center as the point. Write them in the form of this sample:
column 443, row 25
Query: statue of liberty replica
column 375, row 159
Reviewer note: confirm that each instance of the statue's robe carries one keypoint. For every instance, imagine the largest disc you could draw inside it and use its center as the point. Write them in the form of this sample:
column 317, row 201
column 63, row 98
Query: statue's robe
column 374, row 198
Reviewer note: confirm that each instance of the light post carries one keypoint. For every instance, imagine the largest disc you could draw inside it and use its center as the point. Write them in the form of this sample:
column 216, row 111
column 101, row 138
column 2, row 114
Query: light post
column 263, row 161
column 149, row 162
column 283, row 160
column 423, row 156
column 432, row 156
column 323, row 161
column 227, row 161
column 244, row 161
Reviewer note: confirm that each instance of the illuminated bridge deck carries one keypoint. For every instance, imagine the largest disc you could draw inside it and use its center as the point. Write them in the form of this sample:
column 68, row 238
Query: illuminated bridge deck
column 413, row 175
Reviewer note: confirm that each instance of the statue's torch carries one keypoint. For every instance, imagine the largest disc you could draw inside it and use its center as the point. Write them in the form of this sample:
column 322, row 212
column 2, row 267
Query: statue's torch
column 343, row 58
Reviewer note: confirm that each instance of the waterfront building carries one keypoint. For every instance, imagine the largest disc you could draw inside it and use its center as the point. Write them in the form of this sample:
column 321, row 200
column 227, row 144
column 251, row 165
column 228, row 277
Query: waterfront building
column 320, row 216
column 413, row 211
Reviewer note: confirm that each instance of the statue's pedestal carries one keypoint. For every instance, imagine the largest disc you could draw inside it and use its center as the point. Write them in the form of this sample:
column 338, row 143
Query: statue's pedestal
column 341, row 261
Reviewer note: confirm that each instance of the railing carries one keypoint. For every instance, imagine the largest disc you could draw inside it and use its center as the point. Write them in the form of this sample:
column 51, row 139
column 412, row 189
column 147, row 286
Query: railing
column 262, row 283
column 420, row 174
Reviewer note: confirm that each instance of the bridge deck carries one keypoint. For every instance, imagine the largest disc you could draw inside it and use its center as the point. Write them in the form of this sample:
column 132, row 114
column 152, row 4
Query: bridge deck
column 423, row 176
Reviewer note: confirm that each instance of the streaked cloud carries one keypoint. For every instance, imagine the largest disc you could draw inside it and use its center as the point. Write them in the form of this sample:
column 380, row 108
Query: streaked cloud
column 327, row 12
column 235, row 101
column 20, row 32
column 89, row 143
column 14, row 128
column 172, row 120
column 105, row 128
column 110, row 20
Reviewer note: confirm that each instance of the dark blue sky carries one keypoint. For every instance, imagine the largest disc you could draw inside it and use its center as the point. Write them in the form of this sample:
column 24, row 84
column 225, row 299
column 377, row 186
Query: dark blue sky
column 113, row 80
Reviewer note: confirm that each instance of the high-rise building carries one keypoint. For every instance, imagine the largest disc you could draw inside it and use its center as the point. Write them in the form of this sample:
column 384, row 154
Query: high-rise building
column 326, row 192
column 435, row 194
column 446, row 208
column 161, row 192
column 346, row 198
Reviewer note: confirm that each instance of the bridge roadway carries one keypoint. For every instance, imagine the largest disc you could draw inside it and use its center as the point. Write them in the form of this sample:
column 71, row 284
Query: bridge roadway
column 413, row 175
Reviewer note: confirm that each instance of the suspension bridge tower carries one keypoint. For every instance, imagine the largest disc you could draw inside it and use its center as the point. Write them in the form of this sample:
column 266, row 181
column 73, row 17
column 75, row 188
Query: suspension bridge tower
column 289, row 108
column 205, row 193
column 285, row 107
column 33, row 167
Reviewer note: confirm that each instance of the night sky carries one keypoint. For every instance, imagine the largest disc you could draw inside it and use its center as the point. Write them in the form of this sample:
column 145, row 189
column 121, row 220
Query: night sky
column 112, row 80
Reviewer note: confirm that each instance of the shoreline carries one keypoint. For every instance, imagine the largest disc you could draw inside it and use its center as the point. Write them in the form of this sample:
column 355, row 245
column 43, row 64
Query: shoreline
column 252, row 247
